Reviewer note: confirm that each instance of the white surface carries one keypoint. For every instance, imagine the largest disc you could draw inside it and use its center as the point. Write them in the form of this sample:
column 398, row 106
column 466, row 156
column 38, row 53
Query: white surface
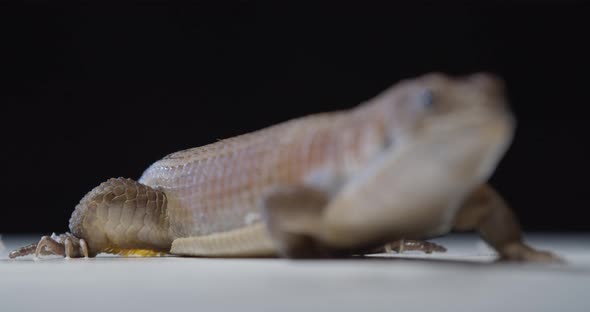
column 460, row 280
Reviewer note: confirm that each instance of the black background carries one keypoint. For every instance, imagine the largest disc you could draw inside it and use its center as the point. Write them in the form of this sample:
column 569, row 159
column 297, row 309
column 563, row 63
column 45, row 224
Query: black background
column 92, row 91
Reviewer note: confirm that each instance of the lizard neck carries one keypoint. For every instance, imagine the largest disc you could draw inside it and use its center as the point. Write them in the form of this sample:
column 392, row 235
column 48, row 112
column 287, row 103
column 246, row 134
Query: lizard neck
column 350, row 142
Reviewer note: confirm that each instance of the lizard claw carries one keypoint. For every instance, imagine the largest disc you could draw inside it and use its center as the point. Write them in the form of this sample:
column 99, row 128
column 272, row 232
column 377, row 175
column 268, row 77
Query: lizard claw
column 49, row 245
column 62, row 245
column 402, row 245
column 23, row 251
column 524, row 253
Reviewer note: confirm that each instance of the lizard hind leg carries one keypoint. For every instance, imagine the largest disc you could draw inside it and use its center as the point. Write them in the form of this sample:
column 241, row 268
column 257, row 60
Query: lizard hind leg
column 61, row 245
column 122, row 217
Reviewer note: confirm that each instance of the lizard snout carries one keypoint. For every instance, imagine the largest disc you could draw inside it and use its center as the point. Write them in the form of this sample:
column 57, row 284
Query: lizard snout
column 489, row 83
column 490, row 91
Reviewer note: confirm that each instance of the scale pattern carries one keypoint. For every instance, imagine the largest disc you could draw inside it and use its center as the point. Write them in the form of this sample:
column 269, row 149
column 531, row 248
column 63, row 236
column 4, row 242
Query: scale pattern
column 218, row 187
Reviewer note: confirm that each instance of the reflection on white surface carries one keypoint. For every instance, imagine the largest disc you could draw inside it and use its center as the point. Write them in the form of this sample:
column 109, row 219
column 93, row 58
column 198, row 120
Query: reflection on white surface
column 463, row 279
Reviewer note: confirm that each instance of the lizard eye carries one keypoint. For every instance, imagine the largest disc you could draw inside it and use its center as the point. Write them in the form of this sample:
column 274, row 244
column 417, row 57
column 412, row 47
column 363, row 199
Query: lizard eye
column 426, row 98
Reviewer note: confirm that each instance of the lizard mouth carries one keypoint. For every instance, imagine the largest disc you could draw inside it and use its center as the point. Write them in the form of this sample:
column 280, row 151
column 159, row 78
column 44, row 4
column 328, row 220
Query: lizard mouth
column 476, row 145
column 463, row 147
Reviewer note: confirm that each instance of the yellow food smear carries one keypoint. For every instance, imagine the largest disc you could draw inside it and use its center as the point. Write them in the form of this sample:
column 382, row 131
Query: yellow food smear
column 134, row 252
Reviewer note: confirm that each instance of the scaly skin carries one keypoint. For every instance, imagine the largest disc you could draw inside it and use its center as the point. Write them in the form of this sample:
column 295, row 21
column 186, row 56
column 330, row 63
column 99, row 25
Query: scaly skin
column 409, row 164
column 218, row 187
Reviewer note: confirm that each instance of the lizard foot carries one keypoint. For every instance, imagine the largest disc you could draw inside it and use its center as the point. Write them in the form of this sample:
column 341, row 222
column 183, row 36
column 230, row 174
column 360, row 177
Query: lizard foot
column 524, row 253
column 402, row 245
column 62, row 245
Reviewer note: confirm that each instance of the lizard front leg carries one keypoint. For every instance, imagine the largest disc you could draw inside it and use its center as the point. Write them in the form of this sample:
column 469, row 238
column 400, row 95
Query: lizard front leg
column 486, row 212
column 293, row 216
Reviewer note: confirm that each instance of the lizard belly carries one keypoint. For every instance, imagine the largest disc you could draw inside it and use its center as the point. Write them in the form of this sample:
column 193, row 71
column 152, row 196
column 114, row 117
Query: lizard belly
column 251, row 240
column 210, row 221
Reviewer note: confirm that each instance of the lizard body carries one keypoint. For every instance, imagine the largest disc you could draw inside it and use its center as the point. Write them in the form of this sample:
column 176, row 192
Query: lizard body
column 409, row 163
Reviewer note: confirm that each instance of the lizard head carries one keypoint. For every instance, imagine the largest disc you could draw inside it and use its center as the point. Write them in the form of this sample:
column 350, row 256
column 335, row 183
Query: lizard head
column 435, row 102
column 464, row 119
